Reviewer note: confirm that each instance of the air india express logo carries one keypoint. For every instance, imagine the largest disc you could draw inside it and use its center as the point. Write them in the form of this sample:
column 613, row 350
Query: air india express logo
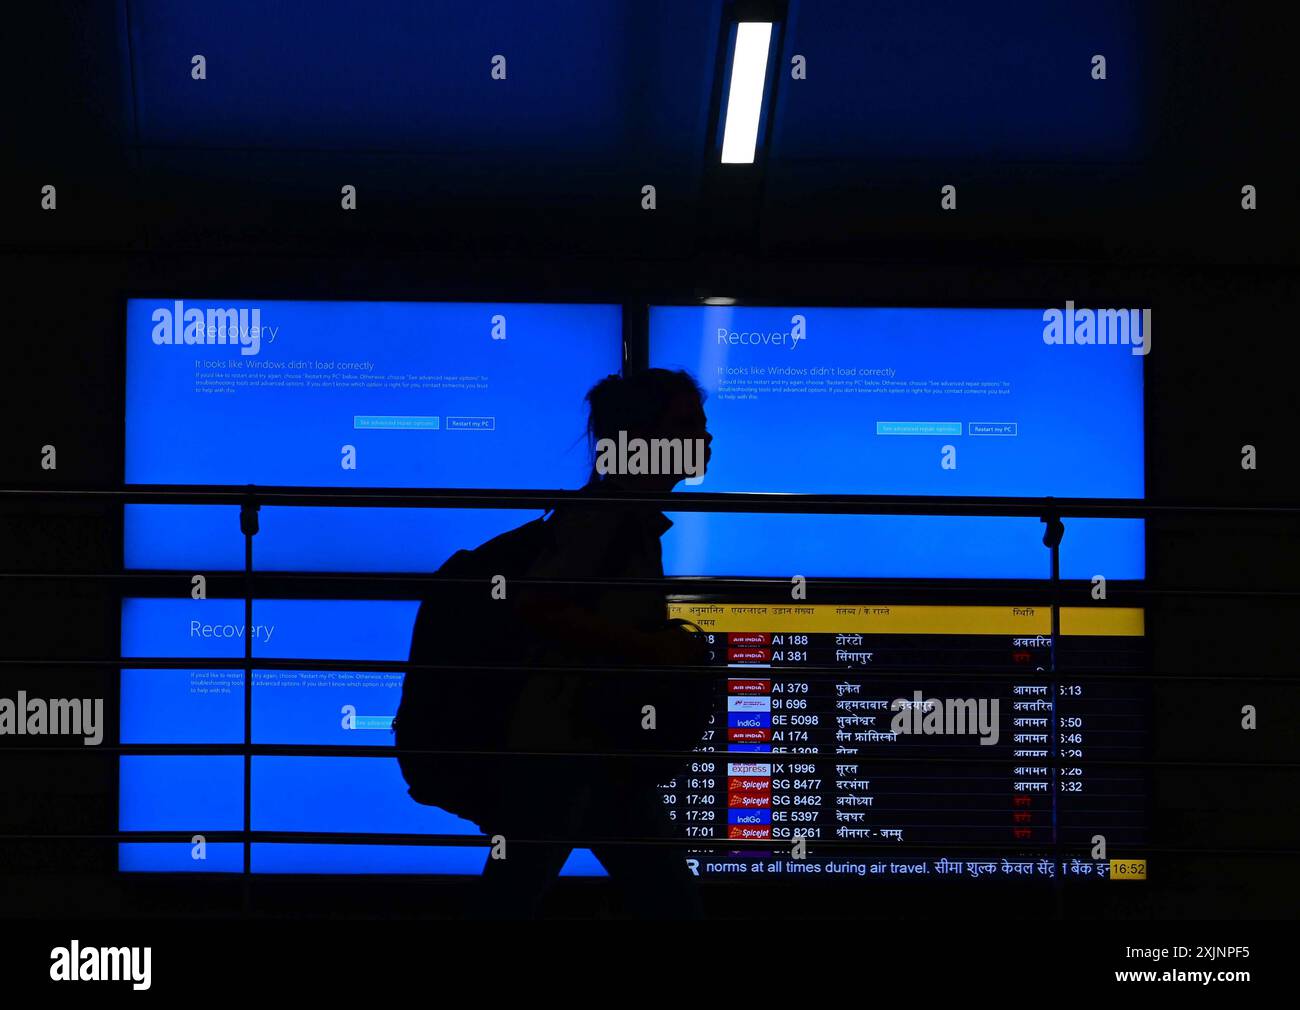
column 184, row 327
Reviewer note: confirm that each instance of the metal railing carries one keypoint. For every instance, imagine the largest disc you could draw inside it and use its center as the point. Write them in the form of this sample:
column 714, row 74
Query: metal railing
column 1050, row 511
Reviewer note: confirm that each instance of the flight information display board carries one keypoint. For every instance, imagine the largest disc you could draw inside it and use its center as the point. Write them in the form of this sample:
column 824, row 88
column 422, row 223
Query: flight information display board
column 790, row 750
column 999, row 758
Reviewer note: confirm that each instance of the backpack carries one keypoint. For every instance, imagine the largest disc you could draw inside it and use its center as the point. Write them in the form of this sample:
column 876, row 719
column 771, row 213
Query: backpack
column 460, row 626
column 461, row 708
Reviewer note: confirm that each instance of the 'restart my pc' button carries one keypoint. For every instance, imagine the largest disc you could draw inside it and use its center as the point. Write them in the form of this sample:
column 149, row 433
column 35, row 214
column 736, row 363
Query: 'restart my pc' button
column 470, row 424
column 992, row 427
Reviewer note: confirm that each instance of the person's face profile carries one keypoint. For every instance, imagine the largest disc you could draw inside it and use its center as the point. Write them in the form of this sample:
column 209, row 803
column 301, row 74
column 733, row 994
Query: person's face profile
column 685, row 419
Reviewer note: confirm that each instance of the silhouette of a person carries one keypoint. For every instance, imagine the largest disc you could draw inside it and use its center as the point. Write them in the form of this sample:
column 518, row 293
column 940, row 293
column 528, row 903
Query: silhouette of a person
column 610, row 799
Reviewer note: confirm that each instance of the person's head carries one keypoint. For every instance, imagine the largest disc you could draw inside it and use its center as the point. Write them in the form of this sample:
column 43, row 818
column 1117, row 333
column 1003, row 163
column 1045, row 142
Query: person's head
column 655, row 412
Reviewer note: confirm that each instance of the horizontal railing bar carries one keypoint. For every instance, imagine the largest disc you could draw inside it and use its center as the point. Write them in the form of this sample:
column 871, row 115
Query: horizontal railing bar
column 761, row 844
column 718, row 756
column 270, row 495
column 815, row 673
column 761, row 673
column 673, row 585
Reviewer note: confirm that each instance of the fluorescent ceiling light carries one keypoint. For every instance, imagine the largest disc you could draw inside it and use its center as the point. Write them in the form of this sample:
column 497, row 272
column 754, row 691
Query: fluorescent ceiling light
column 745, row 100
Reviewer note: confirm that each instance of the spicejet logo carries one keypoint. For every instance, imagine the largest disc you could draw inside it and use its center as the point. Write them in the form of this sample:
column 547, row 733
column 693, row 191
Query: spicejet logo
column 190, row 327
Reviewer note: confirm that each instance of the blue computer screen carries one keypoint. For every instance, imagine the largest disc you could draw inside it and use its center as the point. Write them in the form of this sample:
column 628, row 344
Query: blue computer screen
column 902, row 401
column 425, row 394
column 322, row 394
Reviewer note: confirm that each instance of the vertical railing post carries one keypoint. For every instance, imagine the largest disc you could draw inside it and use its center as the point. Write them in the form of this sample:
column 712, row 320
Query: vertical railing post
column 248, row 526
column 1052, row 536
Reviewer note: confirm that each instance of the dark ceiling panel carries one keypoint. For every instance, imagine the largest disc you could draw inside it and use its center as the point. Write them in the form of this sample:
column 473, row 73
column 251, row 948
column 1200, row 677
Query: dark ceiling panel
column 997, row 99
column 397, row 99
column 67, row 124
column 962, row 81
column 603, row 97
column 585, row 79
